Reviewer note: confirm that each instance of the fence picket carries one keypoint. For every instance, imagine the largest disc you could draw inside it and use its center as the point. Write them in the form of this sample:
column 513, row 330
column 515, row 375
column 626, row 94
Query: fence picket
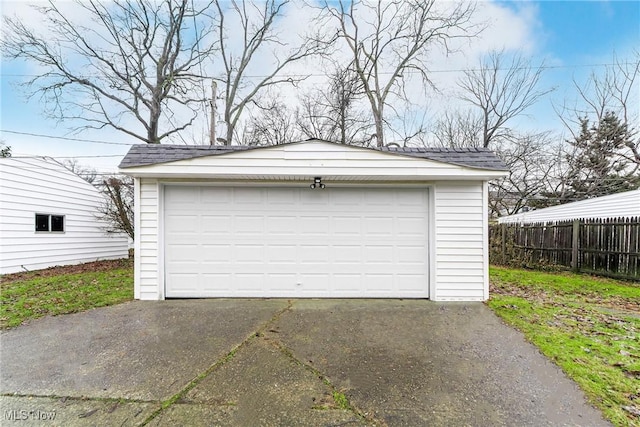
column 609, row 247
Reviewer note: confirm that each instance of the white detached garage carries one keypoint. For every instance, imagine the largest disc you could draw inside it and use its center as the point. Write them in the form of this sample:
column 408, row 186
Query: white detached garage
column 311, row 219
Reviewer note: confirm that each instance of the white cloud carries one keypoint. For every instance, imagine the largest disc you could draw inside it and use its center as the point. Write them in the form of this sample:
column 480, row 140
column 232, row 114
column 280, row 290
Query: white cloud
column 510, row 27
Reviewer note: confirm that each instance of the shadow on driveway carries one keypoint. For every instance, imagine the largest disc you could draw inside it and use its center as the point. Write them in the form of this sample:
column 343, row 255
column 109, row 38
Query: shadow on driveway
column 256, row 362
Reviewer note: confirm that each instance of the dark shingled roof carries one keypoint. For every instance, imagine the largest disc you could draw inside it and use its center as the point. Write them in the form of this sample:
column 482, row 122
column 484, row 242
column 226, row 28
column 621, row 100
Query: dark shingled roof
column 151, row 154
column 480, row 158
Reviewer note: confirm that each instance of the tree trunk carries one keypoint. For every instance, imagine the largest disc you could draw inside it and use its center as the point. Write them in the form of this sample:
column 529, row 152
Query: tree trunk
column 154, row 112
column 343, row 125
column 377, row 116
column 230, row 129
column 152, row 133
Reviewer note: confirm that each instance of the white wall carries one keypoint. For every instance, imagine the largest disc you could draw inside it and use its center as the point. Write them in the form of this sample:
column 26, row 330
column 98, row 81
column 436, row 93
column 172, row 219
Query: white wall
column 460, row 256
column 460, row 259
column 148, row 284
column 32, row 185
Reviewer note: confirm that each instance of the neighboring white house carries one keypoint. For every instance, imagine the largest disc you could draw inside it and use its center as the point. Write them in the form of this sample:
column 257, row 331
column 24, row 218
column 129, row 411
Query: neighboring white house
column 311, row 219
column 48, row 218
column 619, row 205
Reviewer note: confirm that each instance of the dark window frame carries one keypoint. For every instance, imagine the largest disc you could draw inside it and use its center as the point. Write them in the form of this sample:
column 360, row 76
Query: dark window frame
column 50, row 223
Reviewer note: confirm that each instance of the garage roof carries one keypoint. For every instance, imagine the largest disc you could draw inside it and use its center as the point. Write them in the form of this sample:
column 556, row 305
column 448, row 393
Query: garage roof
column 151, row 154
column 618, row 205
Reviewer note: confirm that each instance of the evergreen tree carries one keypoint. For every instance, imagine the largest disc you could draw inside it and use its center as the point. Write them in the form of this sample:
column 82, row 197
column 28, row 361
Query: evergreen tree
column 5, row 150
column 597, row 166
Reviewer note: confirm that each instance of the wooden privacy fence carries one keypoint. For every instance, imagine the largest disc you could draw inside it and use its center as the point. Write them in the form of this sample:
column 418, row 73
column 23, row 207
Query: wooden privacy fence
column 609, row 247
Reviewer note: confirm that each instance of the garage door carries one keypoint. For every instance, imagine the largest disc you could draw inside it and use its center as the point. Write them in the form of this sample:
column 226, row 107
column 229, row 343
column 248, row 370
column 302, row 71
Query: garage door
column 295, row 242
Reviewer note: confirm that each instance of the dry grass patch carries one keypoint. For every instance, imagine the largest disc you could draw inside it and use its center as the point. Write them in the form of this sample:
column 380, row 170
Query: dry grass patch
column 589, row 326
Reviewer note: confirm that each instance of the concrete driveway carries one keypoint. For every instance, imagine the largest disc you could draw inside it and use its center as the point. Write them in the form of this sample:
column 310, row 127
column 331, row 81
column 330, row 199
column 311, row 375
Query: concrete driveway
column 282, row 363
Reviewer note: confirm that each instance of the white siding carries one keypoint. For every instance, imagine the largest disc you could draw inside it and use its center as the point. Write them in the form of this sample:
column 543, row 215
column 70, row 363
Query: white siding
column 458, row 260
column 148, row 267
column 621, row 205
column 29, row 186
column 460, row 255
column 459, row 266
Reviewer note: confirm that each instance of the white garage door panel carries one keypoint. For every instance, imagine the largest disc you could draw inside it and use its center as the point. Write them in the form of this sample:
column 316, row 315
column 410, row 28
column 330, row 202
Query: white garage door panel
column 295, row 242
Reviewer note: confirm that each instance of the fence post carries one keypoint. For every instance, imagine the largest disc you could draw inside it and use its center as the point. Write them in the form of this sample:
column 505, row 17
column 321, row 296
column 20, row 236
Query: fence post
column 574, row 245
column 503, row 242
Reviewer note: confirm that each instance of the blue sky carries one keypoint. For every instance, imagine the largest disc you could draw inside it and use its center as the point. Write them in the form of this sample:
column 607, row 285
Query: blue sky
column 575, row 38
column 583, row 31
column 572, row 36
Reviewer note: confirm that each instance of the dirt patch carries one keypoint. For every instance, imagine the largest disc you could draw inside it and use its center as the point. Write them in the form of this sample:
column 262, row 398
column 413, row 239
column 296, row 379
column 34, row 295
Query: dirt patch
column 106, row 265
column 615, row 304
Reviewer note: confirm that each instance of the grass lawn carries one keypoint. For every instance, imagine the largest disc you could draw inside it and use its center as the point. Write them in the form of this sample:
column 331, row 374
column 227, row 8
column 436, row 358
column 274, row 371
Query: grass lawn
column 589, row 326
column 63, row 290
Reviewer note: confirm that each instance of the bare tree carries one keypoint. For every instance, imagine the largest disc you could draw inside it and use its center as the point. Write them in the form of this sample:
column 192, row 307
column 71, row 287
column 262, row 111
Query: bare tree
column 459, row 129
column 501, row 92
column 127, row 65
column 616, row 91
column 390, row 40
column 5, row 150
column 534, row 163
column 333, row 112
column 87, row 173
column 312, row 117
column 498, row 91
column 257, row 24
column 603, row 152
column 117, row 209
column 274, row 124
column 328, row 112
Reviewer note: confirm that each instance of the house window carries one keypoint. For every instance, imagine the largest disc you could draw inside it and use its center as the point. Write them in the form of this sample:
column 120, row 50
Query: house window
column 51, row 223
column 57, row 223
column 42, row 222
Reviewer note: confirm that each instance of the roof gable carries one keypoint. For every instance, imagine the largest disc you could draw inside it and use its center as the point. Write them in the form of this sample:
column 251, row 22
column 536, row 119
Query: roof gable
column 301, row 161
column 153, row 154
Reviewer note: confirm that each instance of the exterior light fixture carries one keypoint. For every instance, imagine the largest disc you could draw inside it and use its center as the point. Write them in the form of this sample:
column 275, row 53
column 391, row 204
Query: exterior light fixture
column 317, row 183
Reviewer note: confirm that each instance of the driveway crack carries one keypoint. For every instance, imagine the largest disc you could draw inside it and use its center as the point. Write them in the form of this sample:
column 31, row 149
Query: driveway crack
column 341, row 400
column 78, row 398
column 164, row 405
